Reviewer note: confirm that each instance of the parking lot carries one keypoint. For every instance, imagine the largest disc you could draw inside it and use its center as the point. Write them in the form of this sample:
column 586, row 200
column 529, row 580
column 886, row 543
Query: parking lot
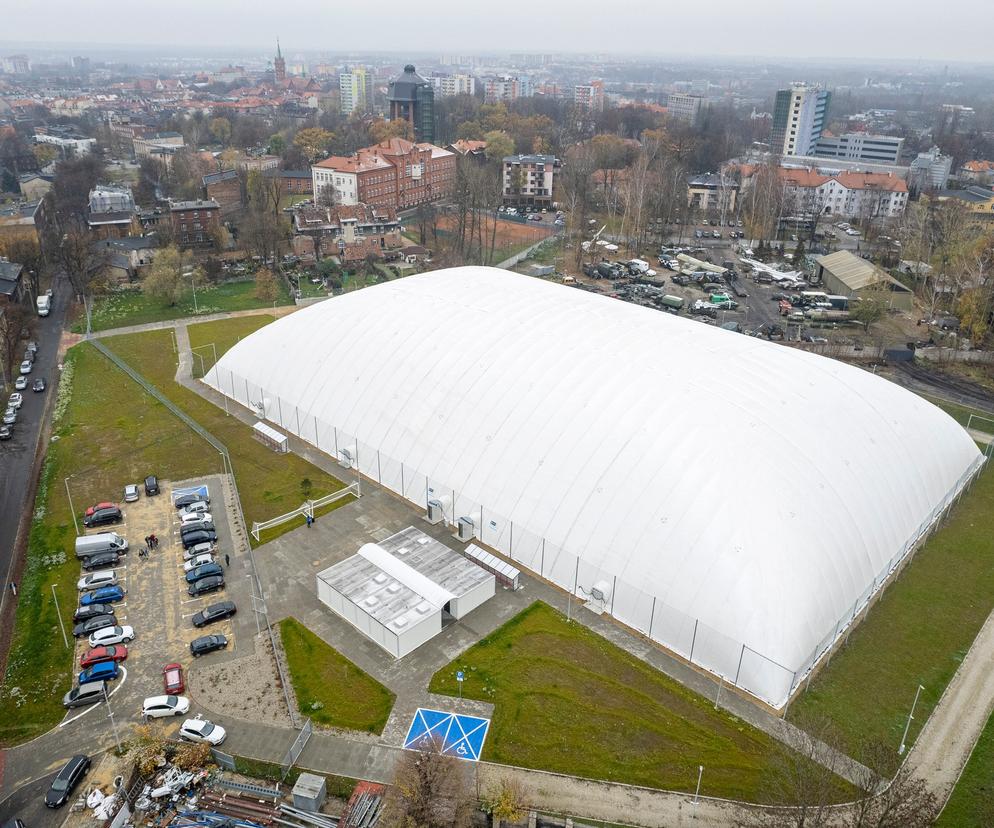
column 157, row 605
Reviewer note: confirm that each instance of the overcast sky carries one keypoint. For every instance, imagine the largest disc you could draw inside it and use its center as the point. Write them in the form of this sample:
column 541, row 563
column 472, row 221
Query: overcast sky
column 952, row 30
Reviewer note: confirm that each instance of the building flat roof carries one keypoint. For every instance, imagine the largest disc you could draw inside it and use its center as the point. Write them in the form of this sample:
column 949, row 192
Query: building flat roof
column 210, row 204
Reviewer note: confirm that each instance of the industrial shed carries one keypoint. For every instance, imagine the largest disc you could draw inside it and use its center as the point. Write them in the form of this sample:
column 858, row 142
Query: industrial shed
column 845, row 274
column 736, row 501
column 401, row 591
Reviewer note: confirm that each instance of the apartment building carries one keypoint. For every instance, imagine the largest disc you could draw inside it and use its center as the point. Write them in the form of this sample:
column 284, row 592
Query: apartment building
column 157, row 144
column 351, row 232
column 68, row 141
column 449, row 86
column 712, row 193
column 685, row 107
column 506, row 89
column 354, row 88
column 799, row 117
column 112, row 213
column 194, row 223
column 589, row 97
column 529, row 179
column 851, row 195
column 860, row 146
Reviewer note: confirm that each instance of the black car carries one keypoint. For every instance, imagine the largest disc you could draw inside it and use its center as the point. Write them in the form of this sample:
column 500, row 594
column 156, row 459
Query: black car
column 91, row 611
column 151, row 485
column 208, row 644
column 199, row 536
column 196, row 526
column 205, row 585
column 91, row 625
column 102, row 560
column 203, row 571
column 67, row 779
column 101, row 517
column 187, row 499
column 39, row 384
column 215, row 612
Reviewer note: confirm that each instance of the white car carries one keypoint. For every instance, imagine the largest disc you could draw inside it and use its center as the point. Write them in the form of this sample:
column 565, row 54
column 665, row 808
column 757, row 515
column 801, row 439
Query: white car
column 130, row 493
column 198, row 550
column 20, row 383
column 199, row 560
column 16, row 400
column 112, row 635
column 194, row 508
column 10, row 416
column 95, row 580
column 157, row 707
column 195, row 517
column 26, row 367
column 201, row 730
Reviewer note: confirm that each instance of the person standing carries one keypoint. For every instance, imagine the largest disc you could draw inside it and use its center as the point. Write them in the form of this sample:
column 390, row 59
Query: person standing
column 227, row 559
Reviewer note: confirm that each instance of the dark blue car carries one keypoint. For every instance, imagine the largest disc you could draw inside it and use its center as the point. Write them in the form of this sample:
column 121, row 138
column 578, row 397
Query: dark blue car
column 104, row 595
column 101, row 671
column 203, row 572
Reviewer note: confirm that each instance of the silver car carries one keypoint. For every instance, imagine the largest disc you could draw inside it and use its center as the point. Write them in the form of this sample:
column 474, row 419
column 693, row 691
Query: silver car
column 130, row 493
column 10, row 416
column 26, row 367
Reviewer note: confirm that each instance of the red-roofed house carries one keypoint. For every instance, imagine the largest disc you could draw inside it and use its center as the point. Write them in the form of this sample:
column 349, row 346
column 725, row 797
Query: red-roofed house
column 977, row 172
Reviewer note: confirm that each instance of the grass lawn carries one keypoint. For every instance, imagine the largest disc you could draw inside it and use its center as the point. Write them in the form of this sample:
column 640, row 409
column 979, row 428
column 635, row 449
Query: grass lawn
column 330, row 688
column 224, row 334
column 110, row 434
column 567, row 700
column 917, row 633
column 339, row 786
column 972, row 802
column 132, row 307
column 961, row 413
column 270, row 484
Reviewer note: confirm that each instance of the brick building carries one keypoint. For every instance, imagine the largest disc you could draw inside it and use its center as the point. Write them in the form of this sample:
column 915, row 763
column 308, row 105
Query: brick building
column 225, row 188
column 194, row 223
column 297, row 182
column 351, row 232
column 396, row 173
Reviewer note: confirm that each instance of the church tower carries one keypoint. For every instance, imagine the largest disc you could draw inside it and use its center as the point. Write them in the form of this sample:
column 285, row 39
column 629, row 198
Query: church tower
column 279, row 65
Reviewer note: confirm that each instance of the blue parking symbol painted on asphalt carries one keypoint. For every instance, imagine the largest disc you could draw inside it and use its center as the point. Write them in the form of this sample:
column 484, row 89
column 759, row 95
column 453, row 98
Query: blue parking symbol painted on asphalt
column 459, row 736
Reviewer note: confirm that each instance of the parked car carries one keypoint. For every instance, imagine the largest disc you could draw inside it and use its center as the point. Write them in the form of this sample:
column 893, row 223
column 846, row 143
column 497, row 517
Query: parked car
column 16, row 400
column 198, row 536
column 199, row 560
column 112, row 635
column 102, row 559
column 214, row 612
column 6, row 432
column 115, row 652
column 91, row 625
column 101, row 671
column 201, row 730
column 85, row 694
column 210, row 584
column 66, row 780
column 20, row 383
column 195, row 517
column 31, row 348
column 26, row 367
column 196, row 526
column 208, row 644
column 39, row 384
column 196, row 506
column 91, row 611
column 95, row 580
column 157, row 707
column 172, row 679
column 130, row 493
column 151, row 485
column 185, row 500
column 102, row 514
column 103, row 595
column 10, row 416
column 204, row 571
column 200, row 549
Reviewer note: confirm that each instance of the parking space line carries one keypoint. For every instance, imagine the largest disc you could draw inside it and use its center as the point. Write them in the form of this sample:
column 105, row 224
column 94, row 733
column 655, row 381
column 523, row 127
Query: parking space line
column 118, row 686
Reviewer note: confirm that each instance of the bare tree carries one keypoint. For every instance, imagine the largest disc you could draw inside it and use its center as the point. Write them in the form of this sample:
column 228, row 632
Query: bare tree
column 15, row 319
column 81, row 260
column 904, row 802
column 430, row 790
column 576, row 186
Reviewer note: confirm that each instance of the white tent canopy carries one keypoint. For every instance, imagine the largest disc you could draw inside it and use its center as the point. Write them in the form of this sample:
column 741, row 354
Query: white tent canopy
column 739, row 500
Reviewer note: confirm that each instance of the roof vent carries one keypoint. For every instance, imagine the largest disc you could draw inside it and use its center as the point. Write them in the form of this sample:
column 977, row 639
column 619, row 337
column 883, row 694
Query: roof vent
column 371, row 601
column 380, row 578
column 394, row 588
column 423, row 608
column 400, row 622
column 403, row 550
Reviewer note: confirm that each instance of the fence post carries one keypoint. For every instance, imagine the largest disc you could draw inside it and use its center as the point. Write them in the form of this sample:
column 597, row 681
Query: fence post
column 652, row 617
column 693, row 641
column 739, row 669
column 541, row 566
column 614, row 588
column 403, row 486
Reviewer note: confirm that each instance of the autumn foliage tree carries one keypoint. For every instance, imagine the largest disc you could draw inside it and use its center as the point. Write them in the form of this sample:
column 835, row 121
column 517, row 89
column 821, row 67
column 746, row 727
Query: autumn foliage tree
column 267, row 289
column 313, row 142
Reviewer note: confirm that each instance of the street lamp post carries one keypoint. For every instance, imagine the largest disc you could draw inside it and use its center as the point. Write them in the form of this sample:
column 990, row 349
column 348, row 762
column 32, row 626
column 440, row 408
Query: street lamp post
column 907, row 726
column 71, row 509
column 58, row 612
column 697, row 792
column 110, row 715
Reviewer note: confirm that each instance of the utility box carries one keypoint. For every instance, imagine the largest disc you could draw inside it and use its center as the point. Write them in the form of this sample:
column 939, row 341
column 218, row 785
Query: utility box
column 436, row 513
column 466, row 529
column 309, row 792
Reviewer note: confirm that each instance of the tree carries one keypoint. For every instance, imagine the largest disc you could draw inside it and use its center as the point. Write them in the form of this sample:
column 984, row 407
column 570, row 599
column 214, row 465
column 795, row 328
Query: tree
column 871, row 307
column 313, row 142
column 220, row 128
column 81, row 261
column 504, row 801
column 382, row 130
column 429, row 790
column 267, row 289
column 74, row 178
column 904, row 802
column 167, row 276
column 193, row 757
column 15, row 319
column 499, row 145
column 798, row 258
column 147, row 750
column 277, row 144
column 45, row 153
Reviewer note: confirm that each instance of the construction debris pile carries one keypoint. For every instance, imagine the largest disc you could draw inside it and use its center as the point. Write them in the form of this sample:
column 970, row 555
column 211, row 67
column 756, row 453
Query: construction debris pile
column 364, row 807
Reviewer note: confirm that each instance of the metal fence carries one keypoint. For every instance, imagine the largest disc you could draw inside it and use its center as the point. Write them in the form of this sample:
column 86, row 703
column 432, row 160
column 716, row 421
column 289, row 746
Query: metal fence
column 293, row 754
column 223, row 760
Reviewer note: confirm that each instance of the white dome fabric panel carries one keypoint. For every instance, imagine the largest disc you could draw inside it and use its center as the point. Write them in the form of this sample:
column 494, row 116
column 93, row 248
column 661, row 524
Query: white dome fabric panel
column 736, row 500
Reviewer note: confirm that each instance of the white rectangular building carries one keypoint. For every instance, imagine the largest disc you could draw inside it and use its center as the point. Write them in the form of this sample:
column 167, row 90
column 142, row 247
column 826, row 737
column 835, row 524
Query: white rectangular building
column 401, row 591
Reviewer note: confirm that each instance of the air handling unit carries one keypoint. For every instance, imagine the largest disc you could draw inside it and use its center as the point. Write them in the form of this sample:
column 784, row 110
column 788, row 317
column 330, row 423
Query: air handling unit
column 466, row 529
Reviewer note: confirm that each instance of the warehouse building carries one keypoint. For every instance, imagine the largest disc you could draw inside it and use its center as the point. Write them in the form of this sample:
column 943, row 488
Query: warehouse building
column 845, row 274
column 402, row 591
column 576, row 435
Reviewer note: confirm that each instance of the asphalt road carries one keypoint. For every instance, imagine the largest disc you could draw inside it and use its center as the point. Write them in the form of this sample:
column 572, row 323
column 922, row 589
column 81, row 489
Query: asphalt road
column 27, row 803
column 17, row 454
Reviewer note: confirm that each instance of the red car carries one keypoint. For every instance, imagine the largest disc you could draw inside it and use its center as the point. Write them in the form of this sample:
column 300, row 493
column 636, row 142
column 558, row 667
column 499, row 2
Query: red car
column 172, row 677
column 105, row 505
column 115, row 652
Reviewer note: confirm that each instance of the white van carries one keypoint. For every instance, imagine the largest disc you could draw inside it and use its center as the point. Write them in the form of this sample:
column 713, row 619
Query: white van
column 88, row 545
column 638, row 266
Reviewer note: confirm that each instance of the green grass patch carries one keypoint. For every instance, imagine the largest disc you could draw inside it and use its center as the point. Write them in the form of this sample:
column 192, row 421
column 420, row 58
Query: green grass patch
column 270, row 484
column 567, row 700
column 132, row 307
column 224, row 334
column 330, row 688
column 917, row 633
column 972, row 802
column 109, row 433
column 962, row 413
column 338, row 786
